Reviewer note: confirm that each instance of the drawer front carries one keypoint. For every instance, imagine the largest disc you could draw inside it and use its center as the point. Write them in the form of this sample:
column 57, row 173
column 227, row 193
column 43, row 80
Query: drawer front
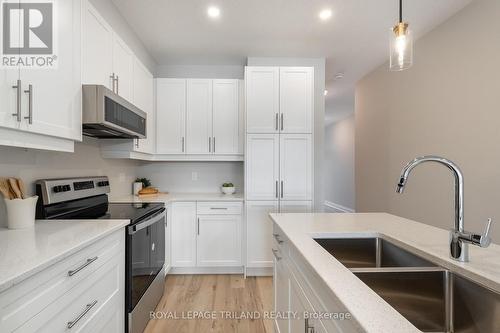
column 83, row 306
column 22, row 302
column 219, row 208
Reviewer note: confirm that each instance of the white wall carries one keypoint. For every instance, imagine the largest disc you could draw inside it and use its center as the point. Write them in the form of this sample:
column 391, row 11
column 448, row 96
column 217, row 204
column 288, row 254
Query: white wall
column 339, row 162
column 31, row 165
column 112, row 15
column 319, row 113
column 447, row 104
column 177, row 176
column 201, row 71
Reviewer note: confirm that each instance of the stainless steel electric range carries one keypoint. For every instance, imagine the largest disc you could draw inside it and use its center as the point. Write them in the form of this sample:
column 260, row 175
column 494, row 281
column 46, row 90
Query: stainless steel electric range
column 86, row 198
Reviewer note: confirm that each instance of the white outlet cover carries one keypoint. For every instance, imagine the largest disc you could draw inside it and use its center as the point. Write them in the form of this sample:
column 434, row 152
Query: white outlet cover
column 194, row 176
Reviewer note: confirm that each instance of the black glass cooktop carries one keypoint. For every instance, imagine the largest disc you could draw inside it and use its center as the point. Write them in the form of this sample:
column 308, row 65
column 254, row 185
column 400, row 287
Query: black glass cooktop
column 132, row 211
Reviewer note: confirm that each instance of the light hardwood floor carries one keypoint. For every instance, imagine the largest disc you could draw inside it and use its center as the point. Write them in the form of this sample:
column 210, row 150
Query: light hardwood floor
column 187, row 293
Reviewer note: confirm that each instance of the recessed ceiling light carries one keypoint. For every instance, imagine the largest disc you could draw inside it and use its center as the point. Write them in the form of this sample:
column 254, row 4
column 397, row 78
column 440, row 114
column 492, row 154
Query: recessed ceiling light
column 213, row 12
column 325, row 14
column 326, row 92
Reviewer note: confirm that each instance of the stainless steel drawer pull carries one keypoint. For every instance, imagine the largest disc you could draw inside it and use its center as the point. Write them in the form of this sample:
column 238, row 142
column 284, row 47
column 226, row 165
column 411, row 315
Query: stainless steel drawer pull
column 277, row 190
column 214, row 144
column 88, row 262
column 282, row 189
column 198, row 227
column 182, row 143
column 277, row 237
column 309, row 328
column 282, row 126
column 218, row 208
column 30, row 104
column 18, row 99
column 80, row 316
column 209, row 144
column 275, row 253
column 277, row 122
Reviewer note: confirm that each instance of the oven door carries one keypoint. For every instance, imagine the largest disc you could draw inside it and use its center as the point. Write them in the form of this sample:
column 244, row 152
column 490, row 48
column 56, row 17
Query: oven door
column 144, row 266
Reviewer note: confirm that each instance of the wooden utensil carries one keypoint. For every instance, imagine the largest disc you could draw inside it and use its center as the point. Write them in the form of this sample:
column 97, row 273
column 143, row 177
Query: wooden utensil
column 15, row 188
column 5, row 188
column 22, row 188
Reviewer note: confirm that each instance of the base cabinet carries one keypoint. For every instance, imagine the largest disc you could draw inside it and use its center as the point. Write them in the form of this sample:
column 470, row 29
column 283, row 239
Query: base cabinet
column 206, row 234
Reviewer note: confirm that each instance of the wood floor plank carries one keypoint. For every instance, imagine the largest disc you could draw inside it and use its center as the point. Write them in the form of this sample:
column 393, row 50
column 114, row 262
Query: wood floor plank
column 224, row 294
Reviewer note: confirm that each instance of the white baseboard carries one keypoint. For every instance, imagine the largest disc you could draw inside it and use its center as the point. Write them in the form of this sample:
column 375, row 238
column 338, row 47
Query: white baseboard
column 206, row 270
column 336, row 208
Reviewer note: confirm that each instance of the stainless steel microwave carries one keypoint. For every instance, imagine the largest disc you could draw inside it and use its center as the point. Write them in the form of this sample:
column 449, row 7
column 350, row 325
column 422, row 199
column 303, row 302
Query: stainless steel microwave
column 107, row 115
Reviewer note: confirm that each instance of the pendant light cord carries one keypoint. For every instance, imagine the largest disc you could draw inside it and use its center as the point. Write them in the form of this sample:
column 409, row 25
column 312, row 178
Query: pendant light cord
column 400, row 11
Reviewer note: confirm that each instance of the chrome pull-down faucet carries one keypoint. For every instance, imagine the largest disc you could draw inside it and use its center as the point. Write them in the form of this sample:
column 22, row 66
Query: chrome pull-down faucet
column 459, row 238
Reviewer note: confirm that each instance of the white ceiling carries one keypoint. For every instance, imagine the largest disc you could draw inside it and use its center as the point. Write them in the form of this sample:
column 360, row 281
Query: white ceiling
column 354, row 40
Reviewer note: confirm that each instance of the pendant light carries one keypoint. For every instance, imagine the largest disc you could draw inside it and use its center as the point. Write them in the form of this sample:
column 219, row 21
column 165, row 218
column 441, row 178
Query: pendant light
column 401, row 44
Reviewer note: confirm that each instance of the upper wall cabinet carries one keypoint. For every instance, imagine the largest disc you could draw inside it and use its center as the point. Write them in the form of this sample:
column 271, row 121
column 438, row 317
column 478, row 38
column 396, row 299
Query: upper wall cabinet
column 143, row 97
column 279, row 99
column 42, row 101
column 123, row 70
column 199, row 119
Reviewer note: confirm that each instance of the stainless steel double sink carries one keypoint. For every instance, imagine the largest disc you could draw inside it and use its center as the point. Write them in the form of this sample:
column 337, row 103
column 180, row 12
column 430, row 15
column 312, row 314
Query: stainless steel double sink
column 429, row 296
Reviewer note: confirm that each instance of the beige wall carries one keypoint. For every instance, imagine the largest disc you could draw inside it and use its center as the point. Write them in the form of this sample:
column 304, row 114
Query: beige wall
column 448, row 104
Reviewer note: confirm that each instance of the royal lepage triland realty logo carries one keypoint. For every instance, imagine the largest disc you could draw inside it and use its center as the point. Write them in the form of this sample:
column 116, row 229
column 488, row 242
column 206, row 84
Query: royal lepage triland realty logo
column 28, row 34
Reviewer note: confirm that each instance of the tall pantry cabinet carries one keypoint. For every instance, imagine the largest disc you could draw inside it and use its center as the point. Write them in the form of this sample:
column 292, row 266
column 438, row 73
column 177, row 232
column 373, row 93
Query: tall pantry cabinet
column 279, row 152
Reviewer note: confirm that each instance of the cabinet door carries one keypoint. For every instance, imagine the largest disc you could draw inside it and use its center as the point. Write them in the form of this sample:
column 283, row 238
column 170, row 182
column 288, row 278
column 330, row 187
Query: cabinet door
column 296, row 99
column 259, row 232
column 281, row 286
column 295, row 206
column 262, row 167
column 219, row 240
column 8, row 97
column 97, row 48
column 170, row 116
column 296, row 167
column 184, row 234
column 262, row 99
column 225, row 117
column 123, row 68
column 299, row 304
column 199, row 116
column 144, row 99
column 56, row 93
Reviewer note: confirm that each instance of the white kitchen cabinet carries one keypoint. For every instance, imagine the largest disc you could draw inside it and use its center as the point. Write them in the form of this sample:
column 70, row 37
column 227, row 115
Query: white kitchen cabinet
column 262, row 167
column 259, row 233
column 281, row 287
column 296, row 167
column 184, row 230
column 97, row 50
column 8, row 97
column 219, row 240
column 199, row 116
column 262, row 99
column 295, row 206
column 170, row 116
column 226, row 136
column 143, row 96
column 296, row 99
column 168, row 240
column 123, row 69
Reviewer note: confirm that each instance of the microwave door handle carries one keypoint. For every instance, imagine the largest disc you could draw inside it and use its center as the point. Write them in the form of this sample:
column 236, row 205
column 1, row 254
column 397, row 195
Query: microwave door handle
column 150, row 221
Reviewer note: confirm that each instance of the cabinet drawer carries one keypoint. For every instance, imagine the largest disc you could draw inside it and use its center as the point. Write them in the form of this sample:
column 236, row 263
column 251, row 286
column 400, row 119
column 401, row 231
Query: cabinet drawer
column 81, row 306
column 219, row 208
column 33, row 295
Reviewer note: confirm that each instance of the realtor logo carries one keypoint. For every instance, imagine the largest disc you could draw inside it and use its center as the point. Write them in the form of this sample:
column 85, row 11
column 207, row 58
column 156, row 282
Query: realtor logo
column 28, row 34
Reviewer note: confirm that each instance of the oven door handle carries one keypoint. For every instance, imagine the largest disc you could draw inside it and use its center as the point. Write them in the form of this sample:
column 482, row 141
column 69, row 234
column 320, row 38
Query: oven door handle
column 149, row 221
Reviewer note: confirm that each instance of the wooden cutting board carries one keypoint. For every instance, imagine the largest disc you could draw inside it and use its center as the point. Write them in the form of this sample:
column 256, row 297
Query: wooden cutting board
column 152, row 195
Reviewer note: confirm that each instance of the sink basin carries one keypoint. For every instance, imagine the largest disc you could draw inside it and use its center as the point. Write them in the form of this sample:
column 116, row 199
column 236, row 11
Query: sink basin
column 436, row 300
column 371, row 252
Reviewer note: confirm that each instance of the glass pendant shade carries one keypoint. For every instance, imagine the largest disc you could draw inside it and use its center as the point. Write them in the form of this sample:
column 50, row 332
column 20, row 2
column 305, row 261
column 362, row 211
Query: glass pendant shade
column 401, row 47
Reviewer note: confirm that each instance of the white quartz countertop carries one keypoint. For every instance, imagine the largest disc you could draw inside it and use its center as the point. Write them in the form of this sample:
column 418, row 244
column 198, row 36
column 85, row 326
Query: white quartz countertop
column 370, row 311
column 173, row 197
column 25, row 252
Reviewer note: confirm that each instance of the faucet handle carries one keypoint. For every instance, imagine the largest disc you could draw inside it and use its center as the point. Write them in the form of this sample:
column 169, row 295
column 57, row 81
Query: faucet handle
column 485, row 239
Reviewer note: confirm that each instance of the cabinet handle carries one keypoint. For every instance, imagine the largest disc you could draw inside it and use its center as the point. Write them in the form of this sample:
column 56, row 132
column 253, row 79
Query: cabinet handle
column 182, row 143
column 277, row 122
column 18, row 98
column 117, row 84
column 214, row 144
column 277, row 237
column 136, row 143
column 88, row 262
column 282, row 126
column 30, row 104
column 281, row 189
column 218, row 208
column 209, row 144
column 309, row 328
column 80, row 316
column 277, row 190
column 198, row 227
column 275, row 253
column 112, row 77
